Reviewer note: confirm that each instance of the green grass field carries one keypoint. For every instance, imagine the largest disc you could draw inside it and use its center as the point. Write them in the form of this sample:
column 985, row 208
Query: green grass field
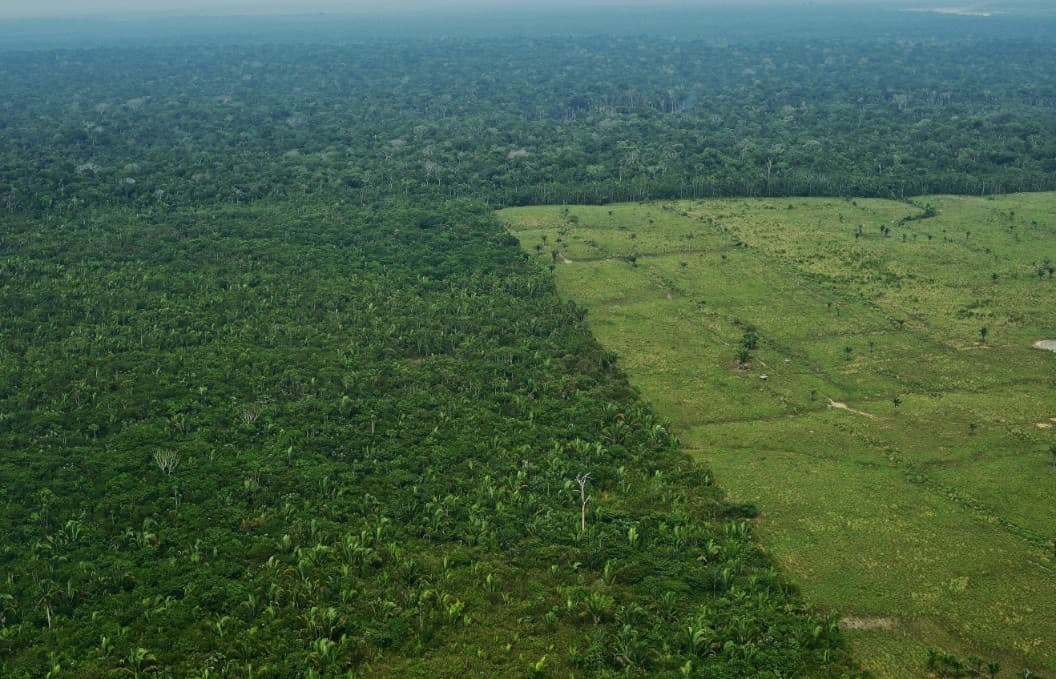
column 898, row 449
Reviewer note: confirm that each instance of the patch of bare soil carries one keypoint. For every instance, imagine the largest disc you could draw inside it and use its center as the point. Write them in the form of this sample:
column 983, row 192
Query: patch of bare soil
column 844, row 406
column 1047, row 345
column 868, row 624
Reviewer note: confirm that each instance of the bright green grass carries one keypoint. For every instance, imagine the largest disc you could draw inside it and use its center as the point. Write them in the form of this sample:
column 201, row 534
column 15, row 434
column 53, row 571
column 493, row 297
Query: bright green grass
column 926, row 524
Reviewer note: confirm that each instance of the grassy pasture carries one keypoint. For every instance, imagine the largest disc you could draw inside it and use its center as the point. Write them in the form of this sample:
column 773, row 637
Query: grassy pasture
column 897, row 451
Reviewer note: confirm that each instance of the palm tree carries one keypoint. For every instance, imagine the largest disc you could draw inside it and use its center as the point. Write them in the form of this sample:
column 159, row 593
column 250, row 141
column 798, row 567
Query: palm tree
column 584, row 499
column 140, row 661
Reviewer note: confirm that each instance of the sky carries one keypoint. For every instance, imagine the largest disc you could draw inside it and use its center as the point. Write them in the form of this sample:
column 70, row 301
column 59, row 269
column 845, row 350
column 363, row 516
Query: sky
column 43, row 8
column 58, row 8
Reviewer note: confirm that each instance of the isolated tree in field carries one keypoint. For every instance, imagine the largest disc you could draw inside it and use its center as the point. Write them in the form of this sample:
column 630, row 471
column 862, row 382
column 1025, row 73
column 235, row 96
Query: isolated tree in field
column 983, row 332
column 749, row 342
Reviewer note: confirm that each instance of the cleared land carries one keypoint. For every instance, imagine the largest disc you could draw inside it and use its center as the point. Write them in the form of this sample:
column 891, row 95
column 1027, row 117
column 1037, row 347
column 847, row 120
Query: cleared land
column 899, row 447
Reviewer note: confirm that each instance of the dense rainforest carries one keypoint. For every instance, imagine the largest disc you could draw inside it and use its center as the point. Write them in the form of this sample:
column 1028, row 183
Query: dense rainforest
column 275, row 439
column 279, row 397
column 526, row 120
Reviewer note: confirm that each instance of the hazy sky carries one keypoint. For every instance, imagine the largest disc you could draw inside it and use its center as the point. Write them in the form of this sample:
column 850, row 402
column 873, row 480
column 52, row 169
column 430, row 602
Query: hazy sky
column 28, row 8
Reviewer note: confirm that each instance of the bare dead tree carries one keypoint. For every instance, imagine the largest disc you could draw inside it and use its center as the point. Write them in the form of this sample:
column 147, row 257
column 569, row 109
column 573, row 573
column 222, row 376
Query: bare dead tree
column 582, row 480
column 167, row 460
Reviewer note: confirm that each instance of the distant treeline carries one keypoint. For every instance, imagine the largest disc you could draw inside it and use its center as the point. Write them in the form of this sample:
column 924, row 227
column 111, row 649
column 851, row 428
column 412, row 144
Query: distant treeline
column 526, row 120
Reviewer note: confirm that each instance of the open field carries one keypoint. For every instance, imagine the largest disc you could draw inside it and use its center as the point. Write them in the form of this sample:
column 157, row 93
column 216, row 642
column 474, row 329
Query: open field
column 898, row 448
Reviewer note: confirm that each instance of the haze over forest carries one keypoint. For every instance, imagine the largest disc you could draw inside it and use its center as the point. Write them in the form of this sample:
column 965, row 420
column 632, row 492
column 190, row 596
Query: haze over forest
column 54, row 8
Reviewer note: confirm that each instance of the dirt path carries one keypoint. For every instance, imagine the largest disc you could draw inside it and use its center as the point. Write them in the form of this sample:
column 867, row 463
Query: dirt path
column 844, row 406
column 854, row 622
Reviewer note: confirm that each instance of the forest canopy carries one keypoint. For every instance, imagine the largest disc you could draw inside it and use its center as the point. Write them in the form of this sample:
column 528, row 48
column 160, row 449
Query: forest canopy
column 527, row 120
